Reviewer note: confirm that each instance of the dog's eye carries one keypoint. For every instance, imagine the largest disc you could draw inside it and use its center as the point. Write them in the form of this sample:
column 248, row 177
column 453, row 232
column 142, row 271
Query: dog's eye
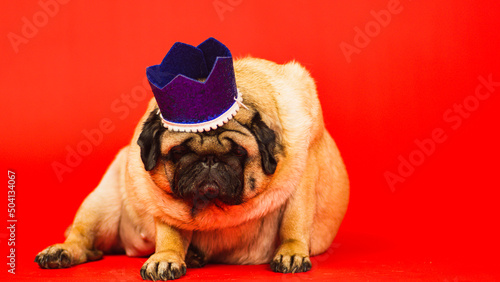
column 239, row 151
column 178, row 152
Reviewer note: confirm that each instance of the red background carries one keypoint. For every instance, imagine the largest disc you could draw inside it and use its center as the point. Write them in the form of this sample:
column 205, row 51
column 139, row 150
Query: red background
column 440, row 224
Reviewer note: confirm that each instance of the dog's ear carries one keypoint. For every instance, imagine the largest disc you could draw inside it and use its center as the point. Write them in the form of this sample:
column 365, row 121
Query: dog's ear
column 150, row 140
column 266, row 140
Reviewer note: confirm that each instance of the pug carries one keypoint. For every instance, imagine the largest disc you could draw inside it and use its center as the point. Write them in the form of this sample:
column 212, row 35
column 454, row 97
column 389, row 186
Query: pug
column 269, row 186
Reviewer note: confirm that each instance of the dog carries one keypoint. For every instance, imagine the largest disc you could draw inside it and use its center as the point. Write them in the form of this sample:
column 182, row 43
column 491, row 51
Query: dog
column 269, row 186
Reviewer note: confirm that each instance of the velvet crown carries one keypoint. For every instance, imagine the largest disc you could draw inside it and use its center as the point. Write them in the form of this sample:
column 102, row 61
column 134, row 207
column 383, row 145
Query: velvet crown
column 195, row 87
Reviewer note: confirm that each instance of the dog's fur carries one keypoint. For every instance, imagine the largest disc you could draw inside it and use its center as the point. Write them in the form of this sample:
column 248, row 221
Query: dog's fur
column 283, row 201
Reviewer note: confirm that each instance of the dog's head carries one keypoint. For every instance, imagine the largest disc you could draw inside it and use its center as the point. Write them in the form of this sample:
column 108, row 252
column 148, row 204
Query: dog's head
column 219, row 167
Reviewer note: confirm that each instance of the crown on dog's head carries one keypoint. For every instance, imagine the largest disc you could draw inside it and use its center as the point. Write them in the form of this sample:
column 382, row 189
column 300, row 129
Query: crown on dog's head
column 195, row 87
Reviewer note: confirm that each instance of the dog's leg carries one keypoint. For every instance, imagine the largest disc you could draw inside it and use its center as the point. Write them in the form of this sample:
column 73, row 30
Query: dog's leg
column 295, row 231
column 95, row 225
column 168, row 260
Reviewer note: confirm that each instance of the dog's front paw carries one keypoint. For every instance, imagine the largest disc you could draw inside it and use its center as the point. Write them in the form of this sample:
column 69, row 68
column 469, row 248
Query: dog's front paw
column 163, row 266
column 65, row 255
column 291, row 257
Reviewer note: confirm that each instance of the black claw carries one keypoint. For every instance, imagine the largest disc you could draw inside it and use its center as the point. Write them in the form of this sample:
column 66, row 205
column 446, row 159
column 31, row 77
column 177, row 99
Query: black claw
column 306, row 265
column 277, row 265
column 163, row 275
column 58, row 253
column 65, row 259
column 172, row 272
column 183, row 272
column 154, row 275
column 43, row 261
column 143, row 272
column 285, row 268
column 280, row 268
column 177, row 273
column 273, row 266
column 56, row 258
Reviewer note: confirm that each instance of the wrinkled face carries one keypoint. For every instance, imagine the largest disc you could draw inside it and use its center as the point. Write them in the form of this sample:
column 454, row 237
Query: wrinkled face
column 220, row 167
column 212, row 171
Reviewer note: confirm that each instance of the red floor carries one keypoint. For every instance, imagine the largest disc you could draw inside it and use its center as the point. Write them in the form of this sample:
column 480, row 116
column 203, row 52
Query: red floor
column 353, row 257
column 339, row 265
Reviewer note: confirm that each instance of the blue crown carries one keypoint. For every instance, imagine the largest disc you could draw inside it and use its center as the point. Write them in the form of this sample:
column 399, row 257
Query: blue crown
column 186, row 102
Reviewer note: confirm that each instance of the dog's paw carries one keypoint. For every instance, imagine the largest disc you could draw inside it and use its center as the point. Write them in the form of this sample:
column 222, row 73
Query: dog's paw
column 65, row 255
column 291, row 257
column 163, row 266
column 195, row 258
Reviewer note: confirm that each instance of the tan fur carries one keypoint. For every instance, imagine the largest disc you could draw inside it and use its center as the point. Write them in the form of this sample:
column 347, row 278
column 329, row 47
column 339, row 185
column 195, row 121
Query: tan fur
column 291, row 214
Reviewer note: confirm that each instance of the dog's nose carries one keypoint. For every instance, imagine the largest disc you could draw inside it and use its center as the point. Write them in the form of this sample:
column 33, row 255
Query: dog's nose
column 209, row 161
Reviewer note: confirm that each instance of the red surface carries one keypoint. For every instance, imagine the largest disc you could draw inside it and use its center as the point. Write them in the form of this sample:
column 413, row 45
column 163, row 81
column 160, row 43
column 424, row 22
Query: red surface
column 440, row 224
